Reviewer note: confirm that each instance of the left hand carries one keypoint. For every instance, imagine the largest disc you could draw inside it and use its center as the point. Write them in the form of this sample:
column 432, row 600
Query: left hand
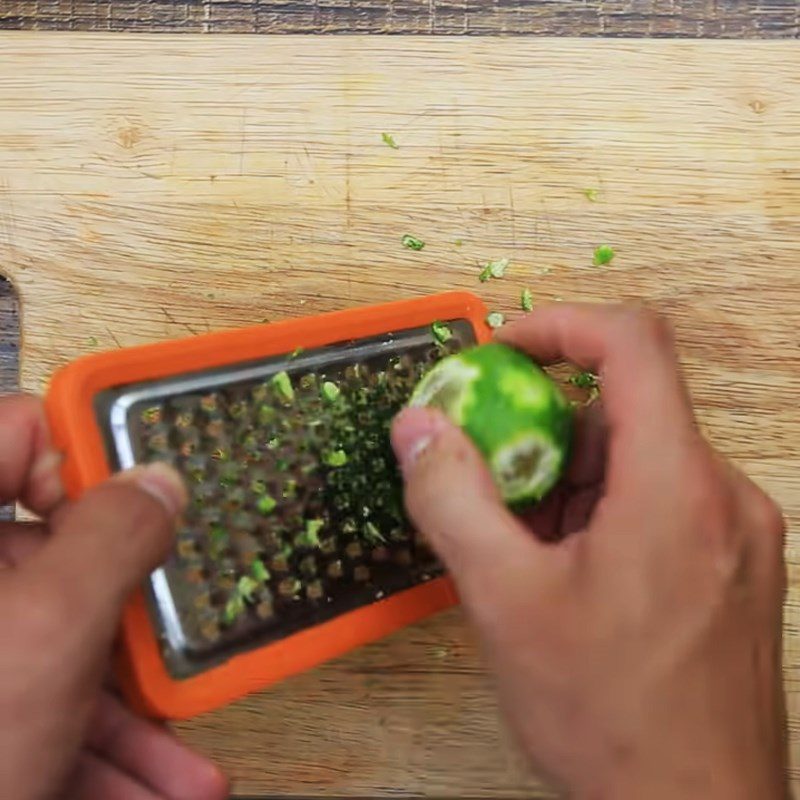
column 63, row 584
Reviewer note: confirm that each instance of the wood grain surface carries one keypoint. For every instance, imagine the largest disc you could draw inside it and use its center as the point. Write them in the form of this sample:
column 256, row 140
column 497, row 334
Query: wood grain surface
column 695, row 18
column 155, row 187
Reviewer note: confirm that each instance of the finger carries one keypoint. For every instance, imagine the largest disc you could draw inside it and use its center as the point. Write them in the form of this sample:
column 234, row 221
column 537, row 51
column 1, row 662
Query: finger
column 29, row 466
column 588, row 460
column 579, row 508
column 19, row 541
column 105, row 544
column 96, row 779
column 764, row 523
column 151, row 755
column 452, row 499
column 544, row 518
column 634, row 353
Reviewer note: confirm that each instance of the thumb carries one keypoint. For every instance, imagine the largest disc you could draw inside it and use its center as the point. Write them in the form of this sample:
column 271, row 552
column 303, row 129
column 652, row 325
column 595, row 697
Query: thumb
column 103, row 545
column 452, row 500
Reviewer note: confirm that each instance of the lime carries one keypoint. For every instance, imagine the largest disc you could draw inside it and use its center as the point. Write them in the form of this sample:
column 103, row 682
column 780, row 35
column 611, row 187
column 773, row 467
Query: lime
column 515, row 414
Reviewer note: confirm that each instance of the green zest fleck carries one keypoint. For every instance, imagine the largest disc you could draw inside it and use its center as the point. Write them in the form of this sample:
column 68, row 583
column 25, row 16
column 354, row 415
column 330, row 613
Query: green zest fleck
column 218, row 534
column 441, row 332
column 604, row 254
column 591, row 194
column 92, row 340
column 336, row 458
column 584, row 380
column 372, row 534
column 330, row 391
column 151, row 415
column 589, row 381
column 266, row 414
column 283, row 385
column 287, row 550
column 246, row 586
column 296, row 352
column 266, row 504
column 495, row 319
column 260, row 572
column 258, row 487
column 526, row 300
column 412, row 243
column 388, row 140
column 310, row 536
column 458, row 242
column 494, row 269
column 233, row 608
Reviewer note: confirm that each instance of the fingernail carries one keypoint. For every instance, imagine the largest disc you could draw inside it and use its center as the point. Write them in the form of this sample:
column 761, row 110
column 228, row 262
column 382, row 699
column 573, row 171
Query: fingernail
column 46, row 476
column 161, row 482
column 414, row 431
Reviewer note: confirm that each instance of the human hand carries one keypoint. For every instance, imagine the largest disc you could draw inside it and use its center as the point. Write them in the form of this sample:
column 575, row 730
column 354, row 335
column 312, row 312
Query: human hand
column 62, row 588
column 634, row 618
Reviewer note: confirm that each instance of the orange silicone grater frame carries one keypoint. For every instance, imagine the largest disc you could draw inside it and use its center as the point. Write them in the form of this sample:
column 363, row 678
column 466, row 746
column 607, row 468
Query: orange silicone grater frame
column 169, row 400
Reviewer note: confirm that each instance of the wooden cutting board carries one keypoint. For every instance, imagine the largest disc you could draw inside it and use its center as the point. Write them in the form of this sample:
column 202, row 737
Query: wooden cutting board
column 152, row 187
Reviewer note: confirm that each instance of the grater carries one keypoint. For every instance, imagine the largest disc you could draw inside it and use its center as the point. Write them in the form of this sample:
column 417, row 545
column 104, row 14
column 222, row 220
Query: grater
column 294, row 547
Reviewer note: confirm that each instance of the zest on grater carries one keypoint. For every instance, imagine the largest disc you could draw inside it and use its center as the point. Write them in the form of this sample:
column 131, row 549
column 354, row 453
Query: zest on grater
column 294, row 547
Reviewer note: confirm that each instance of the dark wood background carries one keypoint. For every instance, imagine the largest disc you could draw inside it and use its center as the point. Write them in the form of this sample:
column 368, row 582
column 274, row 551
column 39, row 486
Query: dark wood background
column 688, row 18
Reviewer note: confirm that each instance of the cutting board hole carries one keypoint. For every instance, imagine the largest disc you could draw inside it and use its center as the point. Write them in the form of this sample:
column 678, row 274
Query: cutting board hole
column 9, row 351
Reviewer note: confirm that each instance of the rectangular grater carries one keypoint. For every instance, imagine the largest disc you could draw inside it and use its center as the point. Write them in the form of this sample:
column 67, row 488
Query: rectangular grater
column 294, row 547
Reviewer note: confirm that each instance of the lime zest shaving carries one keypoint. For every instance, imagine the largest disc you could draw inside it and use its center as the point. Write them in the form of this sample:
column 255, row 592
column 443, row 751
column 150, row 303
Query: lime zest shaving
column 335, row 458
column 283, row 385
column 441, row 332
column 330, row 391
column 604, row 254
column 526, row 300
column 495, row 319
column 494, row 269
column 260, row 572
column 266, row 414
column 233, row 608
column 584, row 380
column 372, row 534
column 389, row 140
column 591, row 194
column 411, row 242
column 246, row 586
column 266, row 504
column 310, row 536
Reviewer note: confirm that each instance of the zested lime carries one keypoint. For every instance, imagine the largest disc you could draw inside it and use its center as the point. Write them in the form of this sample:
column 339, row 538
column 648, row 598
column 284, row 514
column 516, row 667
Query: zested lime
column 515, row 414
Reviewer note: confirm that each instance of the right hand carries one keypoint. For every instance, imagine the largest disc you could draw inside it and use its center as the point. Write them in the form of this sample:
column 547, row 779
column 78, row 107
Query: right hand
column 634, row 618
